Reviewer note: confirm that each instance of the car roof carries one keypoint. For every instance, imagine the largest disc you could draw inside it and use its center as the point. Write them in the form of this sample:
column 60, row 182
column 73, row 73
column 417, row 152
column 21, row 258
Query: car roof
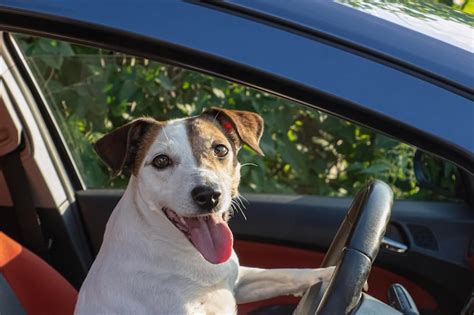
column 431, row 37
column 323, row 71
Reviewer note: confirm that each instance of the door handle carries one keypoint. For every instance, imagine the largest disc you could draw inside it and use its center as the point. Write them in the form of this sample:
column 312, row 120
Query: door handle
column 394, row 246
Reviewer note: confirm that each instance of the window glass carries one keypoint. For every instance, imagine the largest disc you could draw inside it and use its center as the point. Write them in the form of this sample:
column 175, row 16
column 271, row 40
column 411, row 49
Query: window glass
column 91, row 91
column 447, row 21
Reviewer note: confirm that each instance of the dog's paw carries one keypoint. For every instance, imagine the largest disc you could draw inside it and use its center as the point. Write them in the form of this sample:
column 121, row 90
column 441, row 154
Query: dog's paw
column 312, row 276
column 322, row 274
column 325, row 274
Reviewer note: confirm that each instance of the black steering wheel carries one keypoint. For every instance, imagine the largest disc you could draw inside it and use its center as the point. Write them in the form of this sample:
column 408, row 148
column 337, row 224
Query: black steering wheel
column 352, row 251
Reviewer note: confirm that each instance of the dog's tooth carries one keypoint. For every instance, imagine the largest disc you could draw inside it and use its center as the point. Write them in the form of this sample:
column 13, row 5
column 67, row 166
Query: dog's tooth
column 182, row 221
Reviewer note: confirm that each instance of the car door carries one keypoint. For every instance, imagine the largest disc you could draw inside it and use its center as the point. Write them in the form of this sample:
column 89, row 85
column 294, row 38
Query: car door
column 296, row 197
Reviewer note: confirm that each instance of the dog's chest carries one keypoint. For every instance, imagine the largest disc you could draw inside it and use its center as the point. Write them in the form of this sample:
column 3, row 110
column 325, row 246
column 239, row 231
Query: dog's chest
column 217, row 298
column 215, row 302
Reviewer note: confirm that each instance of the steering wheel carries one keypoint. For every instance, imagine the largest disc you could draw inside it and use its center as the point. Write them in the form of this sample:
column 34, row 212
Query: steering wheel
column 352, row 251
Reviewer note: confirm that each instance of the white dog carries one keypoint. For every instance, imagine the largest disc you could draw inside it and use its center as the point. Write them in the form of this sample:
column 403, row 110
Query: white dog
column 167, row 247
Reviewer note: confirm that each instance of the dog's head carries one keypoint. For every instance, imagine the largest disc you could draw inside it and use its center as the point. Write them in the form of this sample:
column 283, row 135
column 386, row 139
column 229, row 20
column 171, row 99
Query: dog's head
column 188, row 169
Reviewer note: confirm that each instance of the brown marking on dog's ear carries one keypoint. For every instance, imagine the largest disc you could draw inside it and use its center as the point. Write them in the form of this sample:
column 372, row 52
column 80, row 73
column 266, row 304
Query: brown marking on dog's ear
column 123, row 149
column 248, row 125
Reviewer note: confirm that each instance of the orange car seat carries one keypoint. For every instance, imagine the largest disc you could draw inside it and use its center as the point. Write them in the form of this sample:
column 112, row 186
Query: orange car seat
column 38, row 288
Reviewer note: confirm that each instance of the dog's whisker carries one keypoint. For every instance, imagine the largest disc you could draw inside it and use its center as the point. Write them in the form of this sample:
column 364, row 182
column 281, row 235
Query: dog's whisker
column 215, row 117
column 241, row 197
column 239, row 206
column 248, row 164
column 231, row 210
column 243, row 214
column 244, row 203
column 239, row 201
column 235, row 205
column 161, row 142
column 166, row 135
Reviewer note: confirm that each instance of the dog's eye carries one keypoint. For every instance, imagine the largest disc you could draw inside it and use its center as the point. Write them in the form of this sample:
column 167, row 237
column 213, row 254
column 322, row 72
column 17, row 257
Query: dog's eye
column 161, row 161
column 221, row 150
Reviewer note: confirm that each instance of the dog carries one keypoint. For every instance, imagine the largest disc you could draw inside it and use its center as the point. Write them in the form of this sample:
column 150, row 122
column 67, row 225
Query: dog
column 167, row 248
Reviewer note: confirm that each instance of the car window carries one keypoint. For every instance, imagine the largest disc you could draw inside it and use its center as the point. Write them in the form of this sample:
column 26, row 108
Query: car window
column 451, row 24
column 91, row 91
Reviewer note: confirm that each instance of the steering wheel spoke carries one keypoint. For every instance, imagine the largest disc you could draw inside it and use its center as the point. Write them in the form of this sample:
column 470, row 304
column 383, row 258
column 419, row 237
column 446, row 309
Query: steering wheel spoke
column 352, row 251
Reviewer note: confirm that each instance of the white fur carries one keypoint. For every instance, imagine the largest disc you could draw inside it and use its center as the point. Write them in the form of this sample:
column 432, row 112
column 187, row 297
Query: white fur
column 146, row 265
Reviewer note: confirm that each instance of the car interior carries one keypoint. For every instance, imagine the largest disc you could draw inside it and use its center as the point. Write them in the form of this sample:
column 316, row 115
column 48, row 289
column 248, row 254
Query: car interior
column 57, row 98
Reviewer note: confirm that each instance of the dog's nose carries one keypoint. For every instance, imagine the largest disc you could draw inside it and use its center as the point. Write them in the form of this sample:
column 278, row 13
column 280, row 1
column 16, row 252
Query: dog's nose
column 205, row 197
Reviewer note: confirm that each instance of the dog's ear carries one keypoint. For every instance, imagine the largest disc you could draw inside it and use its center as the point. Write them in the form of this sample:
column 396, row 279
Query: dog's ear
column 118, row 149
column 247, row 125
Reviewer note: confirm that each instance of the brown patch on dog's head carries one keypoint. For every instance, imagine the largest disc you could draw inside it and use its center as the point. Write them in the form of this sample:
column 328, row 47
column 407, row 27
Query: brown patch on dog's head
column 204, row 135
column 230, row 128
column 241, row 126
column 124, row 148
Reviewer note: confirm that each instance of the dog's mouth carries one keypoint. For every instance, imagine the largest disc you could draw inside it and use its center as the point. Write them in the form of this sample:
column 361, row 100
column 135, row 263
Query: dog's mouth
column 209, row 234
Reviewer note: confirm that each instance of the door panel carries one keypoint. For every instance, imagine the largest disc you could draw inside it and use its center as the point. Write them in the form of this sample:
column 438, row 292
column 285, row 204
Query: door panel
column 265, row 255
column 434, row 269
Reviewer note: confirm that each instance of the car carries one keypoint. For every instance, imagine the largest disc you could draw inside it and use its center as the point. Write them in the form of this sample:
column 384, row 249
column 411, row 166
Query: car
column 351, row 91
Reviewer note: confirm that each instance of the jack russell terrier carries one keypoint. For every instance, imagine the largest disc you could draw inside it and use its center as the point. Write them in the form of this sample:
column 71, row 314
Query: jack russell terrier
column 167, row 248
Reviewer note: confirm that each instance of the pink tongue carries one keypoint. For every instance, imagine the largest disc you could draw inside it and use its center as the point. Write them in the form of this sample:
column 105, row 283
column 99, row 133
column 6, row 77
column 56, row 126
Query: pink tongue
column 211, row 237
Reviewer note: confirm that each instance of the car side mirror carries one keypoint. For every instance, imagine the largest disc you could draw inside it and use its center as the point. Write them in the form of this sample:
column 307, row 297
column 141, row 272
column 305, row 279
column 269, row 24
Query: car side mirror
column 437, row 175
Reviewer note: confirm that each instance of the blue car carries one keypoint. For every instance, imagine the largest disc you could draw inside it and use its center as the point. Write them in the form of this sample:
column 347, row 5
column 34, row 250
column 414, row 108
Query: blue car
column 355, row 95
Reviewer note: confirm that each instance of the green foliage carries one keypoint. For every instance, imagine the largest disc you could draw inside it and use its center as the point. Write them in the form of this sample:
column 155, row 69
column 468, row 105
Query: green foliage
column 92, row 91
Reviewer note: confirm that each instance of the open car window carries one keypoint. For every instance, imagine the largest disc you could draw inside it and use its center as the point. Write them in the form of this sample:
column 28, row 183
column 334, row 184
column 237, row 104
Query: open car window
column 91, row 91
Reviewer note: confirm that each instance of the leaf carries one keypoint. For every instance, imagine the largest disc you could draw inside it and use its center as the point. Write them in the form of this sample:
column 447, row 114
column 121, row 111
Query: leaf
column 53, row 61
column 165, row 82
column 54, row 86
column 65, row 50
column 219, row 93
column 375, row 168
column 469, row 7
column 128, row 90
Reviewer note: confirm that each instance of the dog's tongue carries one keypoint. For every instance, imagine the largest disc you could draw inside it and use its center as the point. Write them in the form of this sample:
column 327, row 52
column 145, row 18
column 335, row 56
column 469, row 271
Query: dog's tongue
column 211, row 237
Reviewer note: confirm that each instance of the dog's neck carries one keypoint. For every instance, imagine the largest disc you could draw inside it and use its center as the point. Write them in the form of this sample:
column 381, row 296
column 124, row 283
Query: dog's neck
column 140, row 228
